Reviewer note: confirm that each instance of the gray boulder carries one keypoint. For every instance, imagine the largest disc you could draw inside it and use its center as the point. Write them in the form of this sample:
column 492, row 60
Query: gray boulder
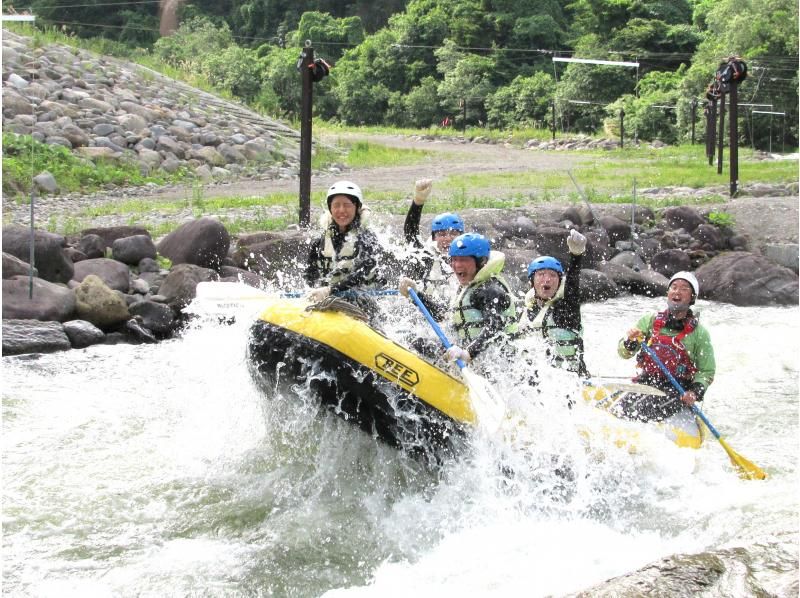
column 131, row 250
column 644, row 282
column 783, row 254
column 596, row 286
column 32, row 336
column 277, row 252
column 156, row 317
column 747, row 279
column 49, row 257
column 113, row 273
column 683, row 217
column 13, row 266
column 180, row 285
column 112, row 233
column 709, row 236
column 617, row 229
column 49, row 302
column 91, row 245
column 669, row 261
column 82, row 333
column 203, row 242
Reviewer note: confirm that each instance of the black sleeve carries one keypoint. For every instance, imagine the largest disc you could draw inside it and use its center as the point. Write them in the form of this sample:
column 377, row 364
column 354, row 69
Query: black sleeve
column 411, row 225
column 492, row 300
column 567, row 311
column 438, row 310
column 312, row 274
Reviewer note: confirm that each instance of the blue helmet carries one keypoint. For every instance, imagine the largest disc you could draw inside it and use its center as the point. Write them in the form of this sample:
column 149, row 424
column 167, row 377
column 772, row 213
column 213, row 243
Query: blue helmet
column 545, row 262
column 470, row 245
column 447, row 221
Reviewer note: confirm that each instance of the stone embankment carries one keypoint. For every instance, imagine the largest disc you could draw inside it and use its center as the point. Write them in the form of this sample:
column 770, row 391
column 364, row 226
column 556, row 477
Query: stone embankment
column 103, row 108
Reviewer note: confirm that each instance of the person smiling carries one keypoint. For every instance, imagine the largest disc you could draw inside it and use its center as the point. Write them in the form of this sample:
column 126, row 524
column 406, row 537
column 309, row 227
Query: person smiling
column 553, row 306
column 483, row 310
column 346, row 255
column 680, row 342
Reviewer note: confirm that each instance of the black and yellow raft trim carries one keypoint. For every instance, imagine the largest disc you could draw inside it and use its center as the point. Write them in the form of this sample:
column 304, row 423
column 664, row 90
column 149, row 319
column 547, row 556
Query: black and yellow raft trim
column 364, row 377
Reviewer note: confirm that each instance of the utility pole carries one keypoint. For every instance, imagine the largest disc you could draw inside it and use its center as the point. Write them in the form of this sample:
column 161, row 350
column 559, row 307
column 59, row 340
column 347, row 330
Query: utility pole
column 306, row 63
column 721, row 130
column 553, row 118
column 621, row 128
column 734, row 138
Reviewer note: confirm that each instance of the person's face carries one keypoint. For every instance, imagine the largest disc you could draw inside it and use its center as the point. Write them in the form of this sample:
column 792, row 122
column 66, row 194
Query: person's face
column 465, row 268
column 545, row 283
column 343, row 211
column 443, row 238
column 680, row 292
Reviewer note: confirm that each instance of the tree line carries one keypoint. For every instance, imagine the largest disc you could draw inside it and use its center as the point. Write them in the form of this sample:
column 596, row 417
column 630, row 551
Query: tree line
column 415, row 63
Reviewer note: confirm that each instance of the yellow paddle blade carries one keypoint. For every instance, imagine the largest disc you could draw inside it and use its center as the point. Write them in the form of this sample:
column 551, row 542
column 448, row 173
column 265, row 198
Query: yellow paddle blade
column 746, row 469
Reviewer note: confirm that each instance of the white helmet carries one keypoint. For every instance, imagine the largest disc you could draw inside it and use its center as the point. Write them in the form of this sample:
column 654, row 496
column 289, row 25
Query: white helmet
column 688, row 277
column 347, row 188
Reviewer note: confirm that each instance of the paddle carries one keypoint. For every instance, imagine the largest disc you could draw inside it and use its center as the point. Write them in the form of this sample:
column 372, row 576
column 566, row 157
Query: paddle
column 487, row 406
column 747, row 470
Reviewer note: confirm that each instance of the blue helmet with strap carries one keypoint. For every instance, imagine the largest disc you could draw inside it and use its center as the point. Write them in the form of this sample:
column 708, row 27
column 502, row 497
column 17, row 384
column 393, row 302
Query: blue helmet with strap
column 545, row 262
column 447, row 221
column 470, row 245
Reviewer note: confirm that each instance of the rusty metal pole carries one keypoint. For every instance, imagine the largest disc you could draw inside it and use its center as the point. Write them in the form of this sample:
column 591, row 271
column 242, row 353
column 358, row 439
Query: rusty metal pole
column 734, row 138
column 621, row 128
column 306, row 104
column 721, row 136
column 711, row 131
column 553, row 126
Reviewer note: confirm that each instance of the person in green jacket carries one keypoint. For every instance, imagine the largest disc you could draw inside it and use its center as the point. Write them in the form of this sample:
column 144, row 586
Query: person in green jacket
column 484, row 310
column 682, row 344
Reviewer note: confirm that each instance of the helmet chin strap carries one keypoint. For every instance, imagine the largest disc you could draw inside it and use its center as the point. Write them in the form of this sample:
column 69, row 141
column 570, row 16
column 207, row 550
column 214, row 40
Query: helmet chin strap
column 674, row 306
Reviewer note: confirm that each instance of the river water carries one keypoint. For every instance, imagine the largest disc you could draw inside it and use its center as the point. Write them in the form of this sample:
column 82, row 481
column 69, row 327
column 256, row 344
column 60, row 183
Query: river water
column 162, row 470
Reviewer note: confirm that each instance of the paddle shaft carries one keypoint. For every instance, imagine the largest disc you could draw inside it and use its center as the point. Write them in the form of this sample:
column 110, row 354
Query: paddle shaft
column 434, row 324
column 347, row 294
column 695, row 409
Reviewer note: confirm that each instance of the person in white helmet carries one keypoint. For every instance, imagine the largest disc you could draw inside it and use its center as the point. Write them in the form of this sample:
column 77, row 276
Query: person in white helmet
column 345, row 257
column 681, row 343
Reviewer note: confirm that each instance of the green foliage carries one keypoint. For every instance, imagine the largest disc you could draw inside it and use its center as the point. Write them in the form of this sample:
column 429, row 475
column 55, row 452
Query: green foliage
column 235, row 69
column 525, row 102
column 337, row 34
column 721, row 219
column 192, row 42
column 651, row 115
column 24, row 158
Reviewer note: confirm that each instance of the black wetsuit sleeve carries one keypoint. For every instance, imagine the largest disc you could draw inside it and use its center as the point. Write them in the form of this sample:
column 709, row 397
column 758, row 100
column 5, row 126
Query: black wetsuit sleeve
column 312, row 274
column 492, row 300
column 567, row 311
column 411, row 225
column 438, row 310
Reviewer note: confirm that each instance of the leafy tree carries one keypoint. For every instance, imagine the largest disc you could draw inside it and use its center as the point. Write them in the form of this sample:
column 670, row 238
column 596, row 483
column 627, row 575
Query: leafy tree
column 191, row 42
column 331, row 36
column 466, row 86
column 235, row 69
column 526, row 101
column 422, row 104
column 646, row 116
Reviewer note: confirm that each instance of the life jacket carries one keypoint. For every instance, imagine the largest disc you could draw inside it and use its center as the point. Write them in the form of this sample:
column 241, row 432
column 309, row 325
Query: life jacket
column 337, row 265
column 566, row 343
column 669, row 349
column 440, row 280
column 468, row 319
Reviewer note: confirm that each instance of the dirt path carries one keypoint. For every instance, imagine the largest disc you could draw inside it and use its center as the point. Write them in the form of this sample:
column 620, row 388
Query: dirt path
column 765, row 220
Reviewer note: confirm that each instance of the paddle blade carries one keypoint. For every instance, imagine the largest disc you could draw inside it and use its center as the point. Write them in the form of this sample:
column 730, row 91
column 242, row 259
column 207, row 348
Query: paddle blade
column 487, row 405
column 746, row 469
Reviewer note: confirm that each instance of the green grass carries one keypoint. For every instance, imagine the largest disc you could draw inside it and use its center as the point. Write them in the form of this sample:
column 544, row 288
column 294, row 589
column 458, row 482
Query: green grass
column 24, row 158
column 513, row 136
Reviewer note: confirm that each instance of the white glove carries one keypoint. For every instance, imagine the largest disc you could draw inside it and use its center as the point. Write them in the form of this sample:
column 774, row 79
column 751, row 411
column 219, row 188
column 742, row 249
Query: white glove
column 317, row 295
column 422, row 189
column 576, row 242
column 455, row 352
column 405, row 284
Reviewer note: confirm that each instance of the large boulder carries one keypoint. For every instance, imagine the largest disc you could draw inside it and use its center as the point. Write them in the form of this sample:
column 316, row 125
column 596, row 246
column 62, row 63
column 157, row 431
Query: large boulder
column 32, row 336
column 283, row 253
column 131, row 250
column 596, row 286
column 617, row 229
column 13, row 266
column 203, row 242
column 669, row 261
column 109, row 234
column 92, row 246
column 744, row 278
column 82, row 333
column 97, row 303
column 180, row 285
column 49, row 302
column 49, row 257
column 113, row 273
column 156, row 317
column 683, row 217
column 644, row 282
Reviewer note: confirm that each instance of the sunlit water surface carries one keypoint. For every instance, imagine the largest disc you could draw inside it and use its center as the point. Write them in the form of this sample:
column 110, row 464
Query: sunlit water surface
column 164, row 470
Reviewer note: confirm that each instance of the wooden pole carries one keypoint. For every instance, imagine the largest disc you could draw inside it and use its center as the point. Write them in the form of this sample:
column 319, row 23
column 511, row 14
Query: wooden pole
column 721, row 136
column 694, row 116
column 621, row 128
column 306, row 105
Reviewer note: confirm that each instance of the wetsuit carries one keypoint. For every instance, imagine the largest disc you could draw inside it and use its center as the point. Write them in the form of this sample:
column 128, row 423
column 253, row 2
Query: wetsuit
column 558, row 321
